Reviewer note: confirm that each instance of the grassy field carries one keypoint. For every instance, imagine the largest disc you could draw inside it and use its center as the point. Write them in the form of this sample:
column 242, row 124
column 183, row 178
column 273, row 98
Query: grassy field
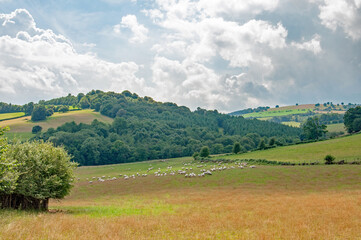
column 21, row 127
column 4, row 116
column 267, row 202
column 276, row 113
column 339, row 127
column 343, row 148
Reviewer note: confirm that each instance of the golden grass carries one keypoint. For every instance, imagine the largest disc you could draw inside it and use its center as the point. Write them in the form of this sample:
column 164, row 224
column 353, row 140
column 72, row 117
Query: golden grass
column 305, row 202
column 24, row 124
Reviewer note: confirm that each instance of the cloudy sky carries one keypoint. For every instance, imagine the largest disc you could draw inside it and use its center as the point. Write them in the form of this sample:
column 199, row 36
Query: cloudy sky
column 214, row 54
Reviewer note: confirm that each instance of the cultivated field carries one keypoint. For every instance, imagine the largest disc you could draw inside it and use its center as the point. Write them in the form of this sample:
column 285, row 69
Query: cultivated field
column 21, row 127
column 266, row 202
column 343, row 148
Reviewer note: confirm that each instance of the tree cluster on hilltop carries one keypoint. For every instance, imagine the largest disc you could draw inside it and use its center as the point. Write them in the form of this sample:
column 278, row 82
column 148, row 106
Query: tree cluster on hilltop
column 144, row 129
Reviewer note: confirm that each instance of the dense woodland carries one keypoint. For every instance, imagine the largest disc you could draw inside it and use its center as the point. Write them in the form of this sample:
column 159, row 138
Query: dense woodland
column 144, row 129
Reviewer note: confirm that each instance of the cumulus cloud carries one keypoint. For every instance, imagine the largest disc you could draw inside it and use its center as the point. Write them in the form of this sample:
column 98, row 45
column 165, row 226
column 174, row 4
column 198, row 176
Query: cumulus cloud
column 344, row 14
column 198, row 35
column 138, row 30
column 37, row 63
column 314, row 45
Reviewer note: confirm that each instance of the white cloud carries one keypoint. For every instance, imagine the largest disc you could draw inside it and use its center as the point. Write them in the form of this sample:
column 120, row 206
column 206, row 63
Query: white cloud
column 37, row 63
column 314, row 45
column 235, row 8
column 344, row 14
column 139, row 31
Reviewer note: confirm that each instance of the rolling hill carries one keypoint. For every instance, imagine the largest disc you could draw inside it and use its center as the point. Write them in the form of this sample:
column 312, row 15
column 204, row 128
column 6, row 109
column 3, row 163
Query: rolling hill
column 21, row 127
column 343, row 148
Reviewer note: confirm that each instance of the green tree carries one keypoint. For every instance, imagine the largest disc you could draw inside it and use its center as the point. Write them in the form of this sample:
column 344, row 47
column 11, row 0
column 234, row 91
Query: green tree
column 272, row 142
column 262, row 144
column 329, row 159
column 204, row 152
column 39, row 113
column 236, row 148
column 64, row 109
column 8, row 175
column 313, row 129
column 84, row 103
column 44, row 172
column 352, row 119
column 36, row 129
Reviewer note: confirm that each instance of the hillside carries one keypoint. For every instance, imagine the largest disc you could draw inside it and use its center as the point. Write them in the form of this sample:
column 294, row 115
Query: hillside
column 343, row 148
column 21, row 127
column 144, row 129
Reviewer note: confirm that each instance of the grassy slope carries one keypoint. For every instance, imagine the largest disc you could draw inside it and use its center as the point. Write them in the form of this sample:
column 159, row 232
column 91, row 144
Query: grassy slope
column 338, row 127
column 276, row 113
column 347, row 148
column 4, row 116
column 22, row 127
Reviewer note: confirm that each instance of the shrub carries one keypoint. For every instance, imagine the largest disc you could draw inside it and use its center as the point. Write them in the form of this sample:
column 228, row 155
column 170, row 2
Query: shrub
column 204, row 152
column 329, row 159
column 36, row 129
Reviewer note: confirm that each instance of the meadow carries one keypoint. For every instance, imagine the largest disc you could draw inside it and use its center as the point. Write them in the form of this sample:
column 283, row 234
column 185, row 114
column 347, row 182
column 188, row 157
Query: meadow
column 21, row 127
column 343, row 148
column 276, row 113
column 266, row 202
column 6, row 116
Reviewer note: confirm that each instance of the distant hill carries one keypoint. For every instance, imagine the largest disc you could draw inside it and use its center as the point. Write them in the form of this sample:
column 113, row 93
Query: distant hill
column 144, row 129
column 328, row 113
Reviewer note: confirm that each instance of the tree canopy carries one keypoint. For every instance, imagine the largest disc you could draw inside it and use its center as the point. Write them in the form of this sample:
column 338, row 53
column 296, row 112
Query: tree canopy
column 312, row 128
column 40, row 172
column 352, row 119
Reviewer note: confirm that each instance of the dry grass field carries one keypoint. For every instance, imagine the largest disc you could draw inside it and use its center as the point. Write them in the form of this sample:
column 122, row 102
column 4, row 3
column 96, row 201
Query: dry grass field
column 267, row 202
column 21, row 127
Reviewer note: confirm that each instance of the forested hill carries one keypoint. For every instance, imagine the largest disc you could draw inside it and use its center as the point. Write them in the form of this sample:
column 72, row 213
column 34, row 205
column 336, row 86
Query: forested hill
column 145, row 129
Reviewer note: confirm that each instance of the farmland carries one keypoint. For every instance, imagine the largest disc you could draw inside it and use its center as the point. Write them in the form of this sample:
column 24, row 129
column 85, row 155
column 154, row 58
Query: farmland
column 21, row 127
column 343, row 148
column 276, row 113
column 231, row 204
column 6, row 116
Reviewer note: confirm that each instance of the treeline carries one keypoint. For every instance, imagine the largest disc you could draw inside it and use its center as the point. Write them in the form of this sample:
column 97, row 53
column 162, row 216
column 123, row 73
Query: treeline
column 249, row 110
column 144, row 129
column 10, row 108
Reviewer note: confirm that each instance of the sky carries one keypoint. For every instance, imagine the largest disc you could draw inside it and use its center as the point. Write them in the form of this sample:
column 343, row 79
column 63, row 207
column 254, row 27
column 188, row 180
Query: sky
column 214, row 54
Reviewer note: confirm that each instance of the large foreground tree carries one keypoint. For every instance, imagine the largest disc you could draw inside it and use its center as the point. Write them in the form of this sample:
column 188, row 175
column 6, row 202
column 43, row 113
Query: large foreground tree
column 42, row 172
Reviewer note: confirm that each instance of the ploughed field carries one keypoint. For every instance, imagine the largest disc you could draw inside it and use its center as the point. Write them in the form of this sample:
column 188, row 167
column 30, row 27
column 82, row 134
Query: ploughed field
column 169, row 202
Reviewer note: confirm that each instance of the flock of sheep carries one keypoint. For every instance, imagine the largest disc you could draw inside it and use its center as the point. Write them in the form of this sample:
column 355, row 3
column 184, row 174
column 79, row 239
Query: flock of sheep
column 186, row 170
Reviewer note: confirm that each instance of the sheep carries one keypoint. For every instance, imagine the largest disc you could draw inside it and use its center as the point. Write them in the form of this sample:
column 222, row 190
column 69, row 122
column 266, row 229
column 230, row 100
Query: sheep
column 90, row 182
column 253, row 166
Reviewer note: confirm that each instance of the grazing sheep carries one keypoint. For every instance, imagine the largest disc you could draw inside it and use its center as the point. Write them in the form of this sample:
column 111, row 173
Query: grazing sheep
column 253, row 166
column 90, row 182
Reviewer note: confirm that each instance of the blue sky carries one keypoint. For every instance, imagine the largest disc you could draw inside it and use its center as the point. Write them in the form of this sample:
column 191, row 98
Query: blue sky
column 214, row 54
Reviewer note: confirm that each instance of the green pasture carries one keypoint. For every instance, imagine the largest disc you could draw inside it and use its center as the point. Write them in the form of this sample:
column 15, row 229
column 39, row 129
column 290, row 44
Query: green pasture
column 5, row 116
column 338, row 127
column 276, row 113
column 343, row 148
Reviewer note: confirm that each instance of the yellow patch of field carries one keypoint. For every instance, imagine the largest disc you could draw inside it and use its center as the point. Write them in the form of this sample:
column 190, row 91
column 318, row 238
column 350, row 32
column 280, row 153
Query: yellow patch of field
column 292, row 124
column 25, row 124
